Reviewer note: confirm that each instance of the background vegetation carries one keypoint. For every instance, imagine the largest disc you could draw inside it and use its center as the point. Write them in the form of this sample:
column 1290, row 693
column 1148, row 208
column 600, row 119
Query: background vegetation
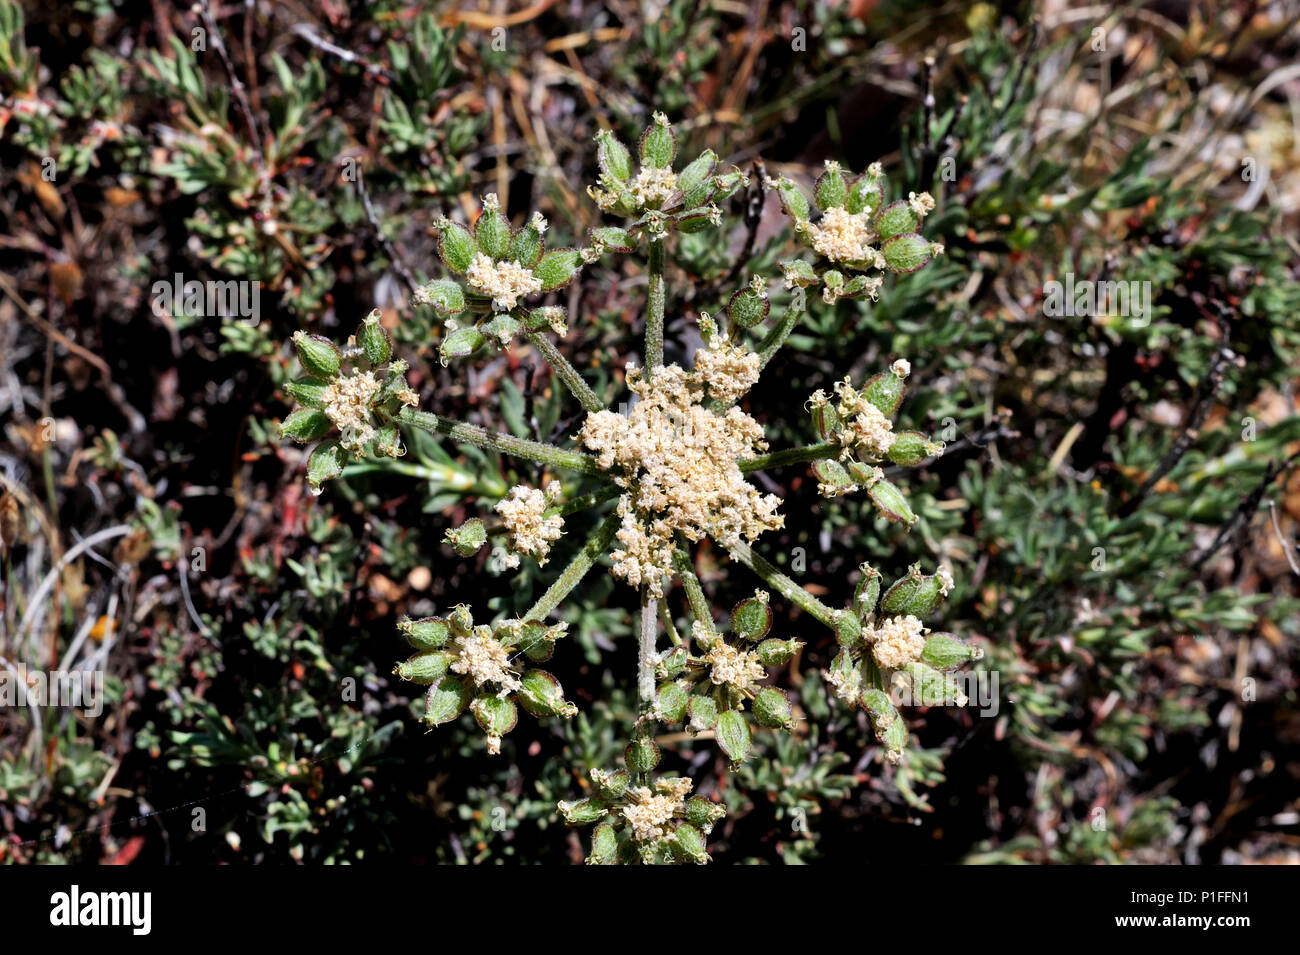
column 1119, row 501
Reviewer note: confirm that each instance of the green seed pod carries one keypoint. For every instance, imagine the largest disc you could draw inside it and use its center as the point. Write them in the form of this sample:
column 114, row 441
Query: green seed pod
column 890, row 502
column 698, row 173
column 461, row 620
column 799, row 273
column 492, row 233
column 446, row 297
column 604, row 845
column 375, row 343
column 771, row 708
column 613, row 157
column 915, row 594
column 670, row 703
column 611, row 785
column 687, row 845
column 885, row 391
column 910, row 448
column 774, row 652
column 548, row 317
column 866, row 593
column 658, row 143
column 558, row 268
column 827, row 422
column 445, row 701
column 455, row 246
column 879, row 707
column 865, row 195
column 528, row 243
column 895, row 219
column 496, row 716
column 468, row 538
column 833, row 475
column 542, row 695
column 831, row 191
column 674, row 662
column 427, row 633
column 698, row 218
column 733, row 735
column 929, row 687
column 752, row 617
column 325, row 464
column 581, row 812
column 848, row 631
column 461, row 343
column 906, row 253
column 308, row 392
column 425, row 668
column 306, row 424
column 943, row 651
column 318, row 356
column 703, row 813
column 641, row 755
column 387, row 442
column 748, row 307
column 727, row 183
column 501, row 329
column 613, row 239
column 702, row 712
column 793, row 202
column 846, row 671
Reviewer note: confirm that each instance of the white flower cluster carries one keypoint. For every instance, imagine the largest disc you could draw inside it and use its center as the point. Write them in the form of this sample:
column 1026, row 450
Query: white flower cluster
column 651, row 811
column 678, row 462
column 844, row 236
column 484, row 659
column 897, row 642
column 346, row 402
column 733, row 667
column 503, row 282
column 528, row 530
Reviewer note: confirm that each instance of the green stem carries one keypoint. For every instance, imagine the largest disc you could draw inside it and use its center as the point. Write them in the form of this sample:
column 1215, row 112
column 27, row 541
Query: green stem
column 654, row 323
column 783, row 584
column 776, row 459
column 566, row 372
column 496, row 441
column 774, row 339
column 670, row 628
column 691, row 583
column 452, row 479
column 596, row 545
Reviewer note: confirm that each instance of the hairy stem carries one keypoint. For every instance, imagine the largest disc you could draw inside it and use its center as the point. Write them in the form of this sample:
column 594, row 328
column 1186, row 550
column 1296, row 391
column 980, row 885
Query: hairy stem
column 645, row 672
column 783, row 584
column 774, row 339
column 582, row 562
column 691, row 583
column 566, row 372
column 497, row 441
column 654, row 322
column 776, row 459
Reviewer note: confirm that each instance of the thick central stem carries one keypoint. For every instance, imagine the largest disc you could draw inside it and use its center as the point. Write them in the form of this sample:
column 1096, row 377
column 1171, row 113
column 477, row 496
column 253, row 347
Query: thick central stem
column 654, row 322
column 645, row 674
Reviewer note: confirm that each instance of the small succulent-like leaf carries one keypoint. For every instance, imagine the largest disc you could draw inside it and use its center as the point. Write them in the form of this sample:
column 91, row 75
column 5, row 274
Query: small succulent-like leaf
column 929, row 687
column 865, row 195
column 613, row 157
column 426, row 667
column 733, row 734
column 582, row 812
column 326, row 463
column 906, row 253
column 495, row 715
column 890, row 502
column 866, row 593
column 832, row 473
column 848, row 631
column 556, row 269
column 445, row 701
column 306, row 424
column 793, row 202
column 527, row 246
column 468, row 538
column 604, row 845
column 427, row 633
column 455, row 246
column 752, row 618
column 910, row 448
column 698, row 172
column 775, row 652
column 613, row 239
column 885, row 390
column 704, row 813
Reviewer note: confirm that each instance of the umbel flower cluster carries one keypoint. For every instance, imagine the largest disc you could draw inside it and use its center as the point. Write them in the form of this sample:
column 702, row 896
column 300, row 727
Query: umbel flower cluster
column 673, row 468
